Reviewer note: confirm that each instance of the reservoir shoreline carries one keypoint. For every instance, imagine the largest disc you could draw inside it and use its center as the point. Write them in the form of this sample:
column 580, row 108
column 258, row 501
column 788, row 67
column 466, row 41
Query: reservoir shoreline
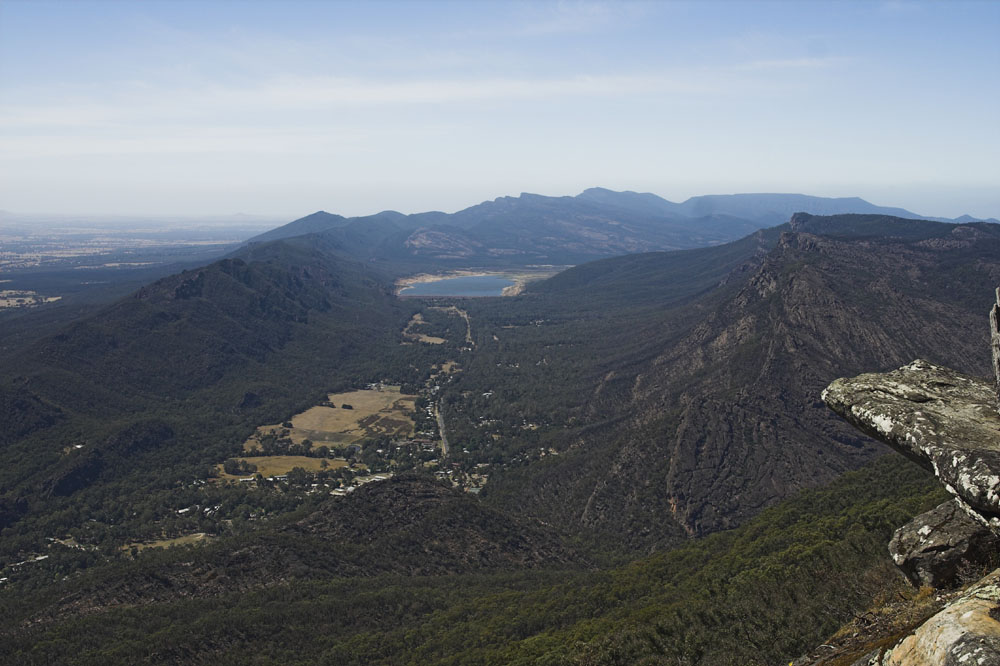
column 519, row 278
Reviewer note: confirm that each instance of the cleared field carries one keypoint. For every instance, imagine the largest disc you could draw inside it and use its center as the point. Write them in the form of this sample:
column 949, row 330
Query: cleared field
column 520, row 277
column 373, row 413
column 410, row 334
column 198, row 537
column 278, row 465
column 23, row 299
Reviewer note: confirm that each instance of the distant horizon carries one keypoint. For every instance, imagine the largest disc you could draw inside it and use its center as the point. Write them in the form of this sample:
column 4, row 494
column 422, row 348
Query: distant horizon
column 267, row 217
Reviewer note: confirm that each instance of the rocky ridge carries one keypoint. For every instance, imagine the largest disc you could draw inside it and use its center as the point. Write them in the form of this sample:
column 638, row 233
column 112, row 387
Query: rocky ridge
column 964, row 633
column 716, row 394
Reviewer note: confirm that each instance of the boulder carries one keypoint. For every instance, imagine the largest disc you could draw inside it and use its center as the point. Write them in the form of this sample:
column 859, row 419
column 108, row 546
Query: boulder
column 945, row 420
column 932, row 548
column 965, row 633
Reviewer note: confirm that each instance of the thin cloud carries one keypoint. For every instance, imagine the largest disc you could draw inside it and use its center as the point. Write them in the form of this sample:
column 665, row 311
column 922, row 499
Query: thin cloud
column 899, row 7
column 160, row 140
column 344, row 91
column 793, row 63
column 151, row 105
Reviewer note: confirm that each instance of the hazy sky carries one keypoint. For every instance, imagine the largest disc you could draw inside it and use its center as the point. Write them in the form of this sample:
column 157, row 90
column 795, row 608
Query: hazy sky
column 284, row 108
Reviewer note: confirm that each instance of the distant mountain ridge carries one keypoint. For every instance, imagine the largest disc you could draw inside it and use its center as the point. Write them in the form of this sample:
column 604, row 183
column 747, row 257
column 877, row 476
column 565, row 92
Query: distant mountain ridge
column 762, row 206
column 536, row 229
column 317, row 222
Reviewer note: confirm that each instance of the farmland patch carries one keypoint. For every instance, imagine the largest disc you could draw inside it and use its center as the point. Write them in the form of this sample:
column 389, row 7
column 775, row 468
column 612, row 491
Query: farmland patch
column 281, row 465
column 344, row 418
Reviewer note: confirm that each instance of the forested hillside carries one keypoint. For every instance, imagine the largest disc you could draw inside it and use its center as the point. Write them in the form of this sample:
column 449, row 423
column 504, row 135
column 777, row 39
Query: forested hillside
column 291, row 593
column 117, row 414
column 647, row 415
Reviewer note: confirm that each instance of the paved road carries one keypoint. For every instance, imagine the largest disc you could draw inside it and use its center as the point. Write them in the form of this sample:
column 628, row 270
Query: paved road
column 444, row 437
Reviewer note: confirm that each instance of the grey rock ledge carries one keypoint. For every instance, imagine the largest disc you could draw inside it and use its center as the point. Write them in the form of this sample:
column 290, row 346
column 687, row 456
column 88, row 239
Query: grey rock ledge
column 942, row 419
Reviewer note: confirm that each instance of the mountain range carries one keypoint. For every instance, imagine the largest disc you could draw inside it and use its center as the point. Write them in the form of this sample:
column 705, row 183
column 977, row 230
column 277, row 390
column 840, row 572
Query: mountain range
column 664, row 484
column 535, row 229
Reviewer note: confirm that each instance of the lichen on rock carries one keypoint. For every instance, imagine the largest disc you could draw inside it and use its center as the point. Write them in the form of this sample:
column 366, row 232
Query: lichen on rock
column 942, row 419
column 995, row 343
column 949, row 423
column 933, row 548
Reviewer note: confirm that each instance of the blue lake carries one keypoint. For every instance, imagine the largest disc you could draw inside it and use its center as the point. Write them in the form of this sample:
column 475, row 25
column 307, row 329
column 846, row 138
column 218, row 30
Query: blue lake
column 475, row 285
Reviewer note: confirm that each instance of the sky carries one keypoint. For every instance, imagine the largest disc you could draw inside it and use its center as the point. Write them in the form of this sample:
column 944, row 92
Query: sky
column 284, row 108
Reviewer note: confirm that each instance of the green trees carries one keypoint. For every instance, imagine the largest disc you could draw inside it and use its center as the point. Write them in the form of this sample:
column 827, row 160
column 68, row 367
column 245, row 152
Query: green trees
column 238, row 467
column 760, row 594
column 297, row 476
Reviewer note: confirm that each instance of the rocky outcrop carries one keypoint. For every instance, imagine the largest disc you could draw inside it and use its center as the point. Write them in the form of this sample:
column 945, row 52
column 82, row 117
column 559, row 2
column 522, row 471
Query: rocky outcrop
column 965, row 633
column 949, row 423
column 933, row 548
column 944, row 420
column 995, row 341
